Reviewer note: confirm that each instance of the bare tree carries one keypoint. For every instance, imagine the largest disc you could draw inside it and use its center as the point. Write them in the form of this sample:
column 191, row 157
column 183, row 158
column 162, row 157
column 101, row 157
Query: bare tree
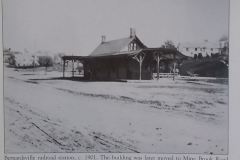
column 45, row 61
column 169, row 44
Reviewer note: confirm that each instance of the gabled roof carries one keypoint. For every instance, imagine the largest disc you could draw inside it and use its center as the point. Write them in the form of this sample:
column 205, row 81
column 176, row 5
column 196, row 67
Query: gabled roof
column 113, row 47
column 119, row 48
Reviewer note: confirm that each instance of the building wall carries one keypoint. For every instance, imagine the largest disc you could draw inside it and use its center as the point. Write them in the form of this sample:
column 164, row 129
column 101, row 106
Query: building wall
column 190, row 51
column 134, row 70
column 115, row 69
column 224, row 45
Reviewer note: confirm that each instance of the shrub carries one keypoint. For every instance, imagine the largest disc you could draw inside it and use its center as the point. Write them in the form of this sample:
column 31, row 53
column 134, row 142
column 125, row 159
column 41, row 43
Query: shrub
column 200, row 56
column 45, row 61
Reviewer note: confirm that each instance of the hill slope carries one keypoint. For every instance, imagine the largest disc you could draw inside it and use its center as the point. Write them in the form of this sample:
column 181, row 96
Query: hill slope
column 205, row 68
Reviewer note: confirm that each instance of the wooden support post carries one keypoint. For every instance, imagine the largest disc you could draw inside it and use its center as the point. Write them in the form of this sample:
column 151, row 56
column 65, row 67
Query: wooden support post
column 174, row 65
column 157, row 58
column 63, row 68
column 140, row 58
column 33, row 63
column 174, row 70
column 72, row 68
column 140, row 67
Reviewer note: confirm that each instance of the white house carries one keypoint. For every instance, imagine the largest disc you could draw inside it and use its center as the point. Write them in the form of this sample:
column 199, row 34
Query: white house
column 224, row 45
column 205, row 48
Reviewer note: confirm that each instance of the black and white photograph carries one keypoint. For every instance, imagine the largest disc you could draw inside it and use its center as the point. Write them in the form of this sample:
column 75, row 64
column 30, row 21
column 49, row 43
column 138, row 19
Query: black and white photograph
column 116, row 76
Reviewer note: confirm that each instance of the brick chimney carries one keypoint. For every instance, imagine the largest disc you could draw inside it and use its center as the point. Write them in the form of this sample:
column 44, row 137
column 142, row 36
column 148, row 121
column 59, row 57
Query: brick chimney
column 103, row 39
column 132, row 32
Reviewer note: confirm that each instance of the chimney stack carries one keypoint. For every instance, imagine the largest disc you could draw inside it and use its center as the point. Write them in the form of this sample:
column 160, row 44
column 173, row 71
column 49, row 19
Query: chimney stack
column 132, row 32
column 103, row 39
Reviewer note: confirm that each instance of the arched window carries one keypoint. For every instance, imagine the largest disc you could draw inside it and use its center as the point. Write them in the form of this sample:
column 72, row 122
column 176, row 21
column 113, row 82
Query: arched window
column 134, row 46
column 130, row 47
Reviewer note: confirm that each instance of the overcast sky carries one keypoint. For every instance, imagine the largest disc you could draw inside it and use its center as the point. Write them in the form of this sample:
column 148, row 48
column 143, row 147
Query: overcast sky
column 75, row 26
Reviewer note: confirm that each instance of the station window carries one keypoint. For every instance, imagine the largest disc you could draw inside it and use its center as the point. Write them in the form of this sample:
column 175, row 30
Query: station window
column 130, row 47
column 134, row 46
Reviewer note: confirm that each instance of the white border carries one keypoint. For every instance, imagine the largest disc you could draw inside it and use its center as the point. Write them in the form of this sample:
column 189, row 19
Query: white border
column 234, row 83
column 1, row 89
column 234, row 80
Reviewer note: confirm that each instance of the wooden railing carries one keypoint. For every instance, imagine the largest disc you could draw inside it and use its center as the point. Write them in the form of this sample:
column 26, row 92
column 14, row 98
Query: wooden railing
column 165, row 75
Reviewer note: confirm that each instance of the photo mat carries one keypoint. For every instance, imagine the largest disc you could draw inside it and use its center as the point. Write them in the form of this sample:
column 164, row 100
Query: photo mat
column 68, row 88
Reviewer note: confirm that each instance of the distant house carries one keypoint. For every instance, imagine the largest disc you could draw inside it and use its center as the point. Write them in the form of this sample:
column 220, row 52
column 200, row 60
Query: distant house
column 19, row 59
column 26, row 60
column 224, row 46
column 7, row 54
column 125, row 58
column 204, row 48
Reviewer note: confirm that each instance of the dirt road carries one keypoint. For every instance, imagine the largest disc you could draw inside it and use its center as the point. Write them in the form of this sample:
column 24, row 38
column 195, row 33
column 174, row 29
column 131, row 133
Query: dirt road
column 68, row 116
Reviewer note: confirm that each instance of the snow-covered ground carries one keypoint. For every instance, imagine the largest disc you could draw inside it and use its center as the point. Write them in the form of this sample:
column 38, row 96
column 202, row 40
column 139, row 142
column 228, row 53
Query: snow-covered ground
column 165, row 116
